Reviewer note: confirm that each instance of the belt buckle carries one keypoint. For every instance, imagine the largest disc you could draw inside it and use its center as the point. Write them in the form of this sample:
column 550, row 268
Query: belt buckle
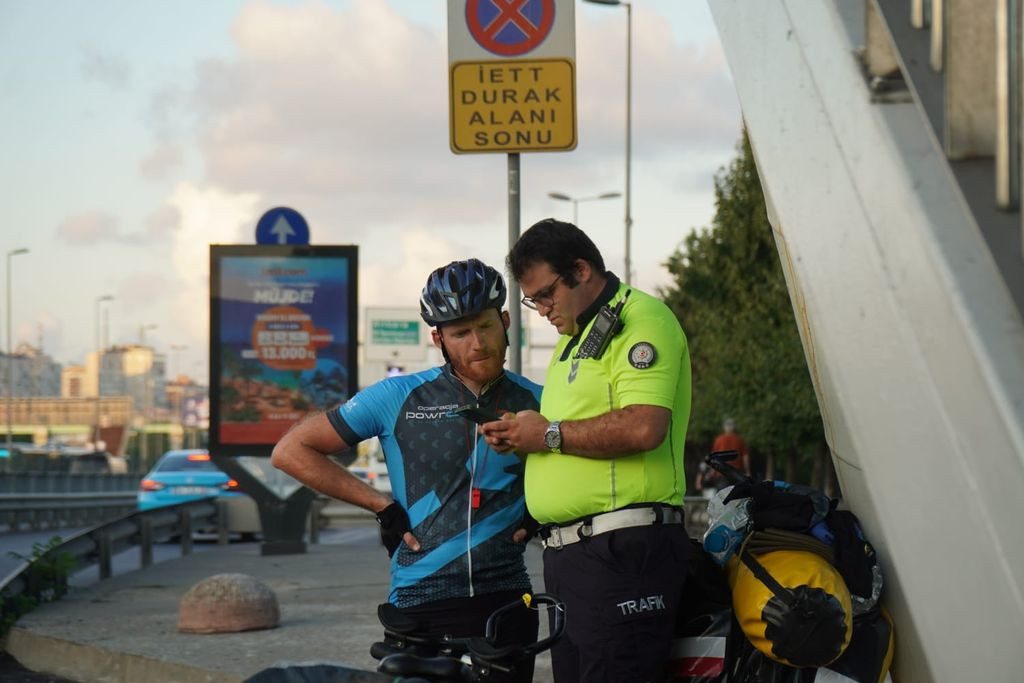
column 554, row 531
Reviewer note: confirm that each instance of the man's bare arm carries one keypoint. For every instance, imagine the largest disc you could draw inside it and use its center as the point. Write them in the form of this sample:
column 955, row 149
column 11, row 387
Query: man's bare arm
column 629, row 430
column 302, row 453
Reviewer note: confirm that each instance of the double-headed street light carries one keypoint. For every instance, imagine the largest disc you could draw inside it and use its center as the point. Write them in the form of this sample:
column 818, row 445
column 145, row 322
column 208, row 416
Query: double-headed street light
column 629, row 107
column 143, row 329
column 10, row 351
column 99, row 366
column 576, row 201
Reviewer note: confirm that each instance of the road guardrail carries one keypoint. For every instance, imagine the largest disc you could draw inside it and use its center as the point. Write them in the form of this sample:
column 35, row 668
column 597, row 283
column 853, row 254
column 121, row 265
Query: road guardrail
column 57, row 510
column 33, row 582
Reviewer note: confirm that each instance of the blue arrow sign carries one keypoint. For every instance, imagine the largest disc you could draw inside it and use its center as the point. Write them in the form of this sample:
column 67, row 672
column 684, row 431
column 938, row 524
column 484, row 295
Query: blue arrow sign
column 282, row 225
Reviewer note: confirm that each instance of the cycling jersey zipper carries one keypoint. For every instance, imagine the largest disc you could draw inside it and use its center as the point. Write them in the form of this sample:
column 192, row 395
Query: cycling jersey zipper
column 469, row 516
column 472, row 476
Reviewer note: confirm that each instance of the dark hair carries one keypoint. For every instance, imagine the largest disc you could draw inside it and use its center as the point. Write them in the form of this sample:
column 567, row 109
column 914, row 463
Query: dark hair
column 556, row 243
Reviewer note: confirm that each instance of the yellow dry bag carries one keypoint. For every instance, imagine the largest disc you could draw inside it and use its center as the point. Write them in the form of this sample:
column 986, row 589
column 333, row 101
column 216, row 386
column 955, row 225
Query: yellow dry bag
column 792, row 605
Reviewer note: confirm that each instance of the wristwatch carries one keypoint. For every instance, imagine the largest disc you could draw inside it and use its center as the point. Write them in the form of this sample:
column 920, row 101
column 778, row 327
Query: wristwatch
column 553, row 437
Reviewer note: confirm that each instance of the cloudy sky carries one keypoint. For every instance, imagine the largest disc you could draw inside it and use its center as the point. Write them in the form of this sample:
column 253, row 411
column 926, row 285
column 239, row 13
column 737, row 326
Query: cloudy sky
column 135, row 133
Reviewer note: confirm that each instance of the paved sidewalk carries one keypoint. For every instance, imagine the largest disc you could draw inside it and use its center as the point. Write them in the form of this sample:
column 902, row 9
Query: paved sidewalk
column 124, row 629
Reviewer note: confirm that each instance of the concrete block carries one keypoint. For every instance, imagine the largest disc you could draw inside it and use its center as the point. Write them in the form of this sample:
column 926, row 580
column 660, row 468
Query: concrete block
column 228, row 603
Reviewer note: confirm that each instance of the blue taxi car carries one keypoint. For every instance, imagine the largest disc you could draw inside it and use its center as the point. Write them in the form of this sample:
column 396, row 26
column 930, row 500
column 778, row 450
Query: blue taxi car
column 184, row 475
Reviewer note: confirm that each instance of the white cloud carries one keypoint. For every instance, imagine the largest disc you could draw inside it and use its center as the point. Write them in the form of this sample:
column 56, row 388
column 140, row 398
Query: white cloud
column 397, row 278
column 209, row 215
column 101, row 227
column 105, row 67
column 344, row 114
column 163, row 222
column 139, row 296
column 160, row 161
column 45, row 330
column 89, row 228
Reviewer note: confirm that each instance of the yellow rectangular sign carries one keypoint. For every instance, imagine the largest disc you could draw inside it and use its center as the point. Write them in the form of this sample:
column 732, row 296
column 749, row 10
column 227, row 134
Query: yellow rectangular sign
column 521, row 105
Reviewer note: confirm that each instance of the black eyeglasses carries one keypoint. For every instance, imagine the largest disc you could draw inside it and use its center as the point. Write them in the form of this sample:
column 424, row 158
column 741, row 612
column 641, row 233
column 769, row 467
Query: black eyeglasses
column 544, row 297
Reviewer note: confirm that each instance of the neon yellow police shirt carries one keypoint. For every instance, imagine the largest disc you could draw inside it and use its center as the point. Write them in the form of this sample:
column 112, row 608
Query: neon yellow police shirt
column 646, row 363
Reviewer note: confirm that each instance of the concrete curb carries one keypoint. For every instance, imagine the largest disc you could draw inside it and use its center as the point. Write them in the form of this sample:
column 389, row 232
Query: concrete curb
column 80, row 662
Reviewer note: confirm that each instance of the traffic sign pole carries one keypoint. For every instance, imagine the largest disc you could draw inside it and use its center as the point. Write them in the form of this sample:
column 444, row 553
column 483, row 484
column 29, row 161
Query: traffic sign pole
column 515, row 358
column 512, row 89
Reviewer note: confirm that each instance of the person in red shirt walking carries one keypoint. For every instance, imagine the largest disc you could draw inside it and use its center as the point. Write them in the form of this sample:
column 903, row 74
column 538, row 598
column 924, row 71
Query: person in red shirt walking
column 708, row 479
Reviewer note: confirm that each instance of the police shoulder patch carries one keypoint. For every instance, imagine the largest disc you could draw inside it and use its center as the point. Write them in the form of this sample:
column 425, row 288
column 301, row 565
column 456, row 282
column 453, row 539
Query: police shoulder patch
column 642, row 355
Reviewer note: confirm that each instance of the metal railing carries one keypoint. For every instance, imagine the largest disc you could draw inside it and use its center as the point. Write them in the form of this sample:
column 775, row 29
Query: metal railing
column 99, row 544
column 60, row 510
column 64, row 482
column 53, row 500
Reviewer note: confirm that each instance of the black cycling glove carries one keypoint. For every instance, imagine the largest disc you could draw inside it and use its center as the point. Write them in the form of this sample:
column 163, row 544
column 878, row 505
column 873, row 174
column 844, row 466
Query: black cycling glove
column 394, row 522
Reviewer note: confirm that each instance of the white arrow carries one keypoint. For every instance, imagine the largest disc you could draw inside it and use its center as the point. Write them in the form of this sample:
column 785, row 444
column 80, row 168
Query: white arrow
column 282, row 229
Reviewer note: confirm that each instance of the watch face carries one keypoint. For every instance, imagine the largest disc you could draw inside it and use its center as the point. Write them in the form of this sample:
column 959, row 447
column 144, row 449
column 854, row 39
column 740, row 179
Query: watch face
column 553, row 437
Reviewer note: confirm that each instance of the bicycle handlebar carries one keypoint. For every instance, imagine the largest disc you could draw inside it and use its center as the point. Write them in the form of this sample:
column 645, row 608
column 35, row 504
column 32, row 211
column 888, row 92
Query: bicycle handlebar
column 719, row 461
column 486, row 658
column 557, row 627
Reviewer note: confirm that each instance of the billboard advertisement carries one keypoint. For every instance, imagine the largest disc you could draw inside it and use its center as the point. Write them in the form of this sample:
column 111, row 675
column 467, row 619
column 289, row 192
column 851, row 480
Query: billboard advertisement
column 195, row 412
column 282, row 339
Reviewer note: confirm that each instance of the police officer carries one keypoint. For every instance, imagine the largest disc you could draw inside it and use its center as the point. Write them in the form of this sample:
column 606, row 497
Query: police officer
column 453, row 530
column 604, row 470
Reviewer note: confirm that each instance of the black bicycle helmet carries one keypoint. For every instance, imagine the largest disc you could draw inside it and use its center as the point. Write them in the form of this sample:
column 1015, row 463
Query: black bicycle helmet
column 461, row 289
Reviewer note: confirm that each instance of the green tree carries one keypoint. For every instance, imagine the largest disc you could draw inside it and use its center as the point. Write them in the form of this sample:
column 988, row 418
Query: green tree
column 731, row 298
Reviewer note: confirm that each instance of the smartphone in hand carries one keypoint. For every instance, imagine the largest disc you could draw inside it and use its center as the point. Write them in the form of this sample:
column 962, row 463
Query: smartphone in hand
column 477, row 414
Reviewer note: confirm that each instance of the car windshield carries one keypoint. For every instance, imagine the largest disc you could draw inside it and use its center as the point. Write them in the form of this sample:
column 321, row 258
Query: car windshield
column 177, row 462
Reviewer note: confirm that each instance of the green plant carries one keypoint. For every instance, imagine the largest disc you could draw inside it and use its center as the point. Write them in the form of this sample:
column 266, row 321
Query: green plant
column 46, row 580
column 730, row 296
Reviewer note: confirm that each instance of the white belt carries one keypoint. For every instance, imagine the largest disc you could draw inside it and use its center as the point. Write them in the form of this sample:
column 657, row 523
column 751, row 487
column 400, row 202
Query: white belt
column 559, row 536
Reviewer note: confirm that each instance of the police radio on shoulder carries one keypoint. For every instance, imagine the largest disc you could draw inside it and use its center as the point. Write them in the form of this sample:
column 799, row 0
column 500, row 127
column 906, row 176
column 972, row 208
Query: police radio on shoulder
column 606, row 325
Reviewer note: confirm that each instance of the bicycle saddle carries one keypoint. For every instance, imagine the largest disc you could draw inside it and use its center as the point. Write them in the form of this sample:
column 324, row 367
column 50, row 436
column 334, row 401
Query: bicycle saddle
column 394, row 619
column 435, row 668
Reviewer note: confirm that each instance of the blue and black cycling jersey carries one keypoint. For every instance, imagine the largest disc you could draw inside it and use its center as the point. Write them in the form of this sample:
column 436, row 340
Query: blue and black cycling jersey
column 464, row 500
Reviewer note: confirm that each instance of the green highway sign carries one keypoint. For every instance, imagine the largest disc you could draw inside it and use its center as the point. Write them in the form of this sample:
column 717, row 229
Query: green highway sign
column 401, row 332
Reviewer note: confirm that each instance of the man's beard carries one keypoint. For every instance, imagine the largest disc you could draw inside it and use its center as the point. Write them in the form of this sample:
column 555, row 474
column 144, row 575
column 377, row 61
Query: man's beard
column 484, row 371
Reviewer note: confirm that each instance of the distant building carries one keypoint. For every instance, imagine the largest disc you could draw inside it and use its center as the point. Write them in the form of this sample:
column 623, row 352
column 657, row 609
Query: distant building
column 187, row 402
column 77, row 382
column 34, row 373
column 137, row 371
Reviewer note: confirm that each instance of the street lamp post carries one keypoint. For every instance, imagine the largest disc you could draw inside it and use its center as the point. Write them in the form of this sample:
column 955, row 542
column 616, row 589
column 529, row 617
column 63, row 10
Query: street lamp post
column 176, row 367
column 178, row 405
column 147, row 378
column 576, row 201
column 99, row 366
column 629, row 127
column 10, row 351
column 142, row 332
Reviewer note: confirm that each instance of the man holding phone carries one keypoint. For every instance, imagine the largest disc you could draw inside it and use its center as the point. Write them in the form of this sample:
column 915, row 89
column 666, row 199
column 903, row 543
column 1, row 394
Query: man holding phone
column 454, row 531
column 604, row 470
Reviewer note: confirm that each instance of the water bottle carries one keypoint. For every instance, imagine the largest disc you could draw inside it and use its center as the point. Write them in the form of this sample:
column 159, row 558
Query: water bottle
column 728, row 525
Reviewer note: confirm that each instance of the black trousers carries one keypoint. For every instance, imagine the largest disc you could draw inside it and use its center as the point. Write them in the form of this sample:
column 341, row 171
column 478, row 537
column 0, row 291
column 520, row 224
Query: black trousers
column 621, row 591
column 464, row 617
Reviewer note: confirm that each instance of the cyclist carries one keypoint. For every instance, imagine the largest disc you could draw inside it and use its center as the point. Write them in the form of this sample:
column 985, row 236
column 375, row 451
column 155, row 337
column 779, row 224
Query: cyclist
column 454, row 530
